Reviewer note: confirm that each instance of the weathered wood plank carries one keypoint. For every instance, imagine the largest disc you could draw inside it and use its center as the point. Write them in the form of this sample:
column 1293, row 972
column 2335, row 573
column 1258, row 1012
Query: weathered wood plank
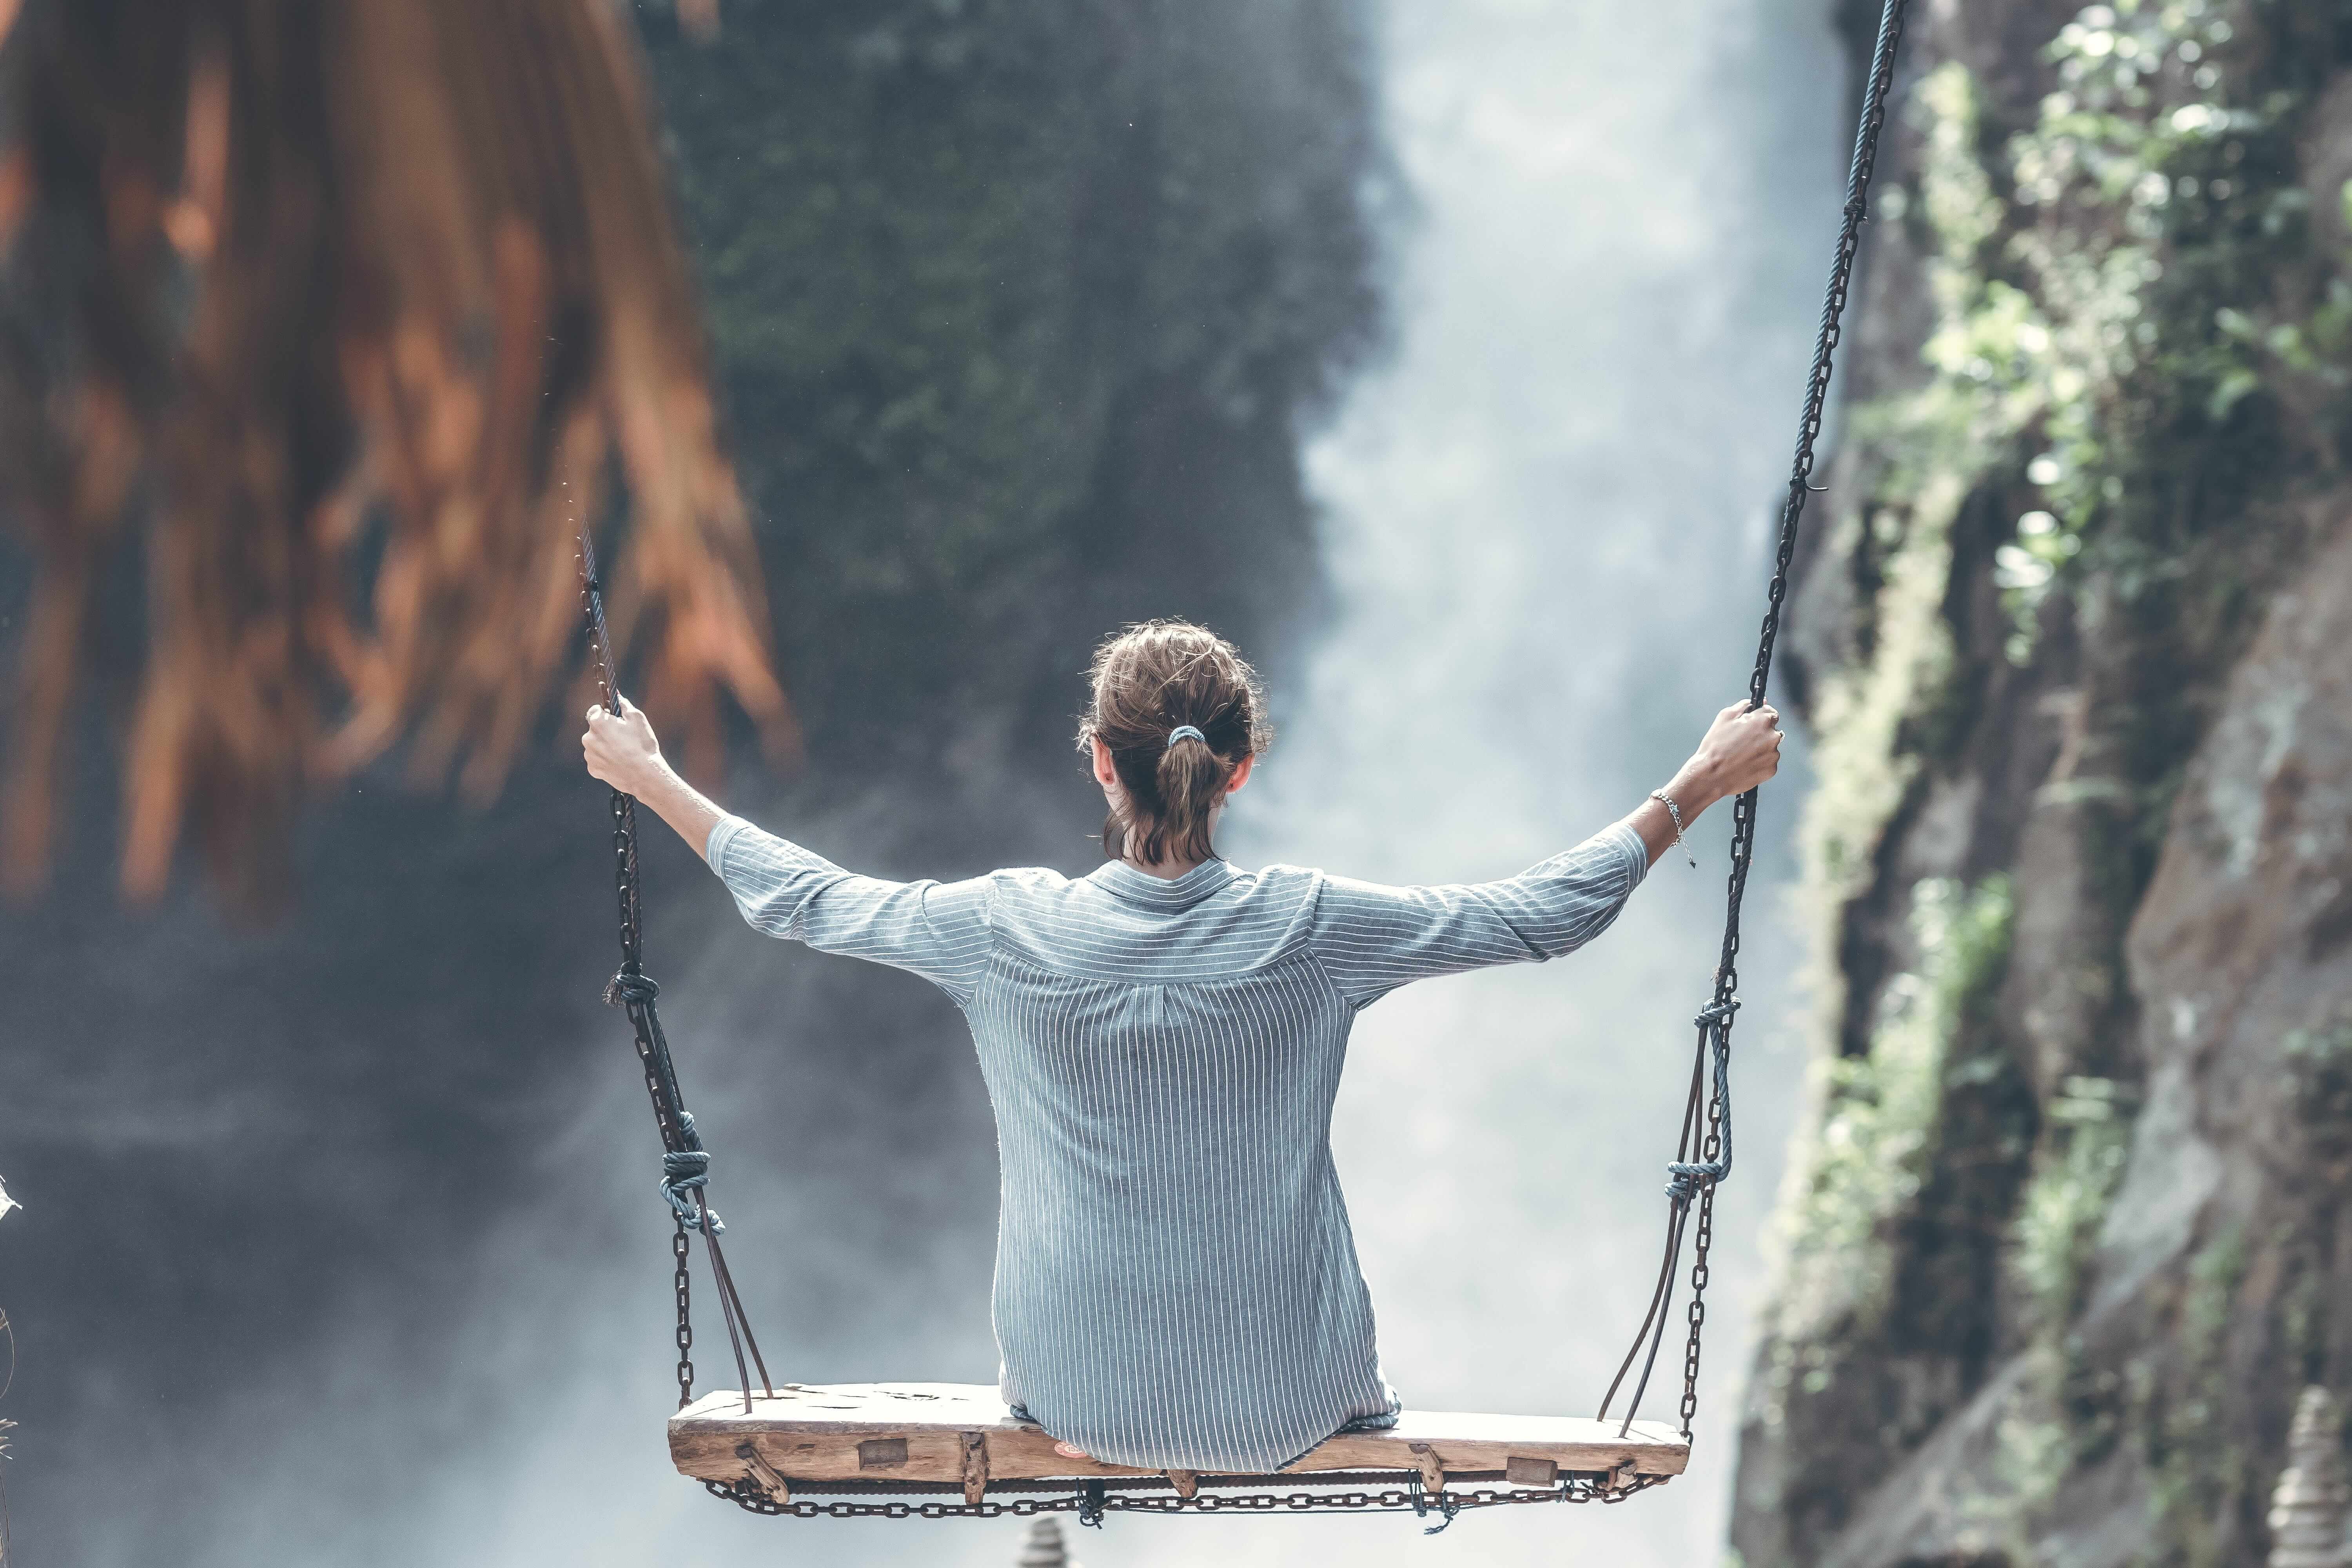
column 955, row 1433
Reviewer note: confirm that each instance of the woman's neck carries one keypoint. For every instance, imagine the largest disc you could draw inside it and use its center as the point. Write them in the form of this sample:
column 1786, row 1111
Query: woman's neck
column 1167, row 871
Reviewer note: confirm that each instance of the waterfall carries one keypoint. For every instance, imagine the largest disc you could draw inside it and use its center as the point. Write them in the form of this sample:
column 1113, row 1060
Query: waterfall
column 341, row 1240
column 1547, row 520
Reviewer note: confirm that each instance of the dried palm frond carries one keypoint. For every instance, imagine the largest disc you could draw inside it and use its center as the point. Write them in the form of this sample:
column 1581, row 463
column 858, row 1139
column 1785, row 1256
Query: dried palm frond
column 349, row 311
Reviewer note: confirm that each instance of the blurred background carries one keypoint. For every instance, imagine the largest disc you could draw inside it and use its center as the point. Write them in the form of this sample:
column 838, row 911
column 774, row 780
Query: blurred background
column 1447, row 357
column 1444, row 357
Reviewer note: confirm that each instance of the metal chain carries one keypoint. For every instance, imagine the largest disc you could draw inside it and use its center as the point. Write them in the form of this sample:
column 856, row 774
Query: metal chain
column 623, row 810
column 1699, row 1276
column 1692, row 1184
column 1090, row 1504
column 682, row 1286
column 626, row 887
column 685, row 1163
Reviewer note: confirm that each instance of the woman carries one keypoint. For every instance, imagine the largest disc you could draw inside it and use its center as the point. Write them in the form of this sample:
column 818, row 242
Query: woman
column 1176, row 1285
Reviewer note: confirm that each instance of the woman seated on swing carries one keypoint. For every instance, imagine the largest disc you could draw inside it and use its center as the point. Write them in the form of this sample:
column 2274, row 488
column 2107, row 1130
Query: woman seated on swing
column 1176, row 1283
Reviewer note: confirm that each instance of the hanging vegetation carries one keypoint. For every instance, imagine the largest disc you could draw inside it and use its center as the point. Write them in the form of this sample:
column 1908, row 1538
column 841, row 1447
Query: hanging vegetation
column 342, row 315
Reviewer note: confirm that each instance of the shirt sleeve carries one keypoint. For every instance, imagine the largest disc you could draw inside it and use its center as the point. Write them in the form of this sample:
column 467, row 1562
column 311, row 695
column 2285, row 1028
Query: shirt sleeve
column 938, row 930
column 1373, row 939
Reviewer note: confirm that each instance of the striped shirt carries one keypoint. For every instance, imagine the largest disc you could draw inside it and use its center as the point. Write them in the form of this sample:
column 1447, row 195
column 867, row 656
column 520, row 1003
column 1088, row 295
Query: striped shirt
column 1176, row 1283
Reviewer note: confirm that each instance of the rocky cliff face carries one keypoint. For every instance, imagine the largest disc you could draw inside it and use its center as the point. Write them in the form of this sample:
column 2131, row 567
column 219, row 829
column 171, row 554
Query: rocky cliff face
column 2066, row 1238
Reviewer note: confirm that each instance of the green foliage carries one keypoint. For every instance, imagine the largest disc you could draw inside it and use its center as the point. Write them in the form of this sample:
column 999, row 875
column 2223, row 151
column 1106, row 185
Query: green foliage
column 2142, row 306
column 1881, row 1111
column 1862, row 766
column 2188, row 1452
column 2033, row 1450
column 2087, row 1135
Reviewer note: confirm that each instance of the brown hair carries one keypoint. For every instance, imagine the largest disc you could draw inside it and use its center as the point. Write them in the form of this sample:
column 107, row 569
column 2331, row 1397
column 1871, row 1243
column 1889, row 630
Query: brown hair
column 1148, row 681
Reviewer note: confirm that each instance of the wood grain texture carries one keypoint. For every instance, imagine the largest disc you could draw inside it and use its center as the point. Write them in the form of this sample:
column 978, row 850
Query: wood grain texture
column 949, row 1429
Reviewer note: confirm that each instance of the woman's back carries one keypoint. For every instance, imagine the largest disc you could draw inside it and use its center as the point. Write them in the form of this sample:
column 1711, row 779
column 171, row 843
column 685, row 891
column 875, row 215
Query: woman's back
column 1176, row 1282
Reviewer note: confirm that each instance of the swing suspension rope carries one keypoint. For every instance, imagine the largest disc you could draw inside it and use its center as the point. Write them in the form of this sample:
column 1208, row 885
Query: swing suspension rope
column 1703, row 1152
column 686, row 1165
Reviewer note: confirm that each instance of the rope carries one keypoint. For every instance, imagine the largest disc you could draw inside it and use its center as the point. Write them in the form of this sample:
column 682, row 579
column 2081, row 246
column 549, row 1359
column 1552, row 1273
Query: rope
column 1684, row 1180
column 1703, row 1152
column 685, row 1173
column 626, row 987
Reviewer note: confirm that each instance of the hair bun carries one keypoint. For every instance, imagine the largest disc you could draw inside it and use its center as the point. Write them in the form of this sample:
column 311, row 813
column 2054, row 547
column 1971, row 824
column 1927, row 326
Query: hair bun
column 1143, row 677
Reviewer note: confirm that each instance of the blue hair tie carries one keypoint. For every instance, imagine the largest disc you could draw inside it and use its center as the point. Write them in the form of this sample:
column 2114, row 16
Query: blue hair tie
column 1181, row 730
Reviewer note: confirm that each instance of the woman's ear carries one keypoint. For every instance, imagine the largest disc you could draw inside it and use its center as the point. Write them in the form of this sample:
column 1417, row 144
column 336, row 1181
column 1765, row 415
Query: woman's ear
column 1106, row 771
column 1242, row 771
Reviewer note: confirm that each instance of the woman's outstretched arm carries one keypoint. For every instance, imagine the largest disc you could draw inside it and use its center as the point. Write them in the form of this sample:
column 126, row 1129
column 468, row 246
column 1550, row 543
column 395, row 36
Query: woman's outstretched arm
column 939, row 930
column 1373, row 939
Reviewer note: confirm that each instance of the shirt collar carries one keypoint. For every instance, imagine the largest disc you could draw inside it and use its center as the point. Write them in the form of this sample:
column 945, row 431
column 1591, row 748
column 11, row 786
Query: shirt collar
column 1124, row 881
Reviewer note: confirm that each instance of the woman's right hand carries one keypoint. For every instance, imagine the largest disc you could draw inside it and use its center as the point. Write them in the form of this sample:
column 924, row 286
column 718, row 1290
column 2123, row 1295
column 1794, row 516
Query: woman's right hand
column 1740, row 751
column 620, row 750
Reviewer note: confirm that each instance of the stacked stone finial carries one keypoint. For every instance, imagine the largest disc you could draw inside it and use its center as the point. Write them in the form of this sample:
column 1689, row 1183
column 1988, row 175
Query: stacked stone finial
column 1044, row 1548
column 2308, row 1512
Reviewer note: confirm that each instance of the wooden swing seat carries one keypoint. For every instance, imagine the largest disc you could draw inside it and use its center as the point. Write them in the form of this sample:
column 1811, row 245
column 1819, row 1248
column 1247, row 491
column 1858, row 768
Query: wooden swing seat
column 960, row 1434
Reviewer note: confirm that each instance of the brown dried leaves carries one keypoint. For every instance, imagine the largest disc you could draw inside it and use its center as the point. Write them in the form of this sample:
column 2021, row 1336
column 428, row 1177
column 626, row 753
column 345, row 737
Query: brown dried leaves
column 387, row 293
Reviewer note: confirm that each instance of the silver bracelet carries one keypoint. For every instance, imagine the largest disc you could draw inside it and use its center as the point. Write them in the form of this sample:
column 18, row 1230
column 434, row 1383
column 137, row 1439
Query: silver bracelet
column 1662, row 799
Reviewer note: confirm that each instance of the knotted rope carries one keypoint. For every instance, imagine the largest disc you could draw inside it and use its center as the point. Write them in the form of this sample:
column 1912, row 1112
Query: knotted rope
column 685, row 1173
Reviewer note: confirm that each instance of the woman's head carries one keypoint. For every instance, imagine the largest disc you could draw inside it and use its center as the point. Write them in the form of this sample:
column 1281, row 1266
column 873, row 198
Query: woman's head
column 1151, row 681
